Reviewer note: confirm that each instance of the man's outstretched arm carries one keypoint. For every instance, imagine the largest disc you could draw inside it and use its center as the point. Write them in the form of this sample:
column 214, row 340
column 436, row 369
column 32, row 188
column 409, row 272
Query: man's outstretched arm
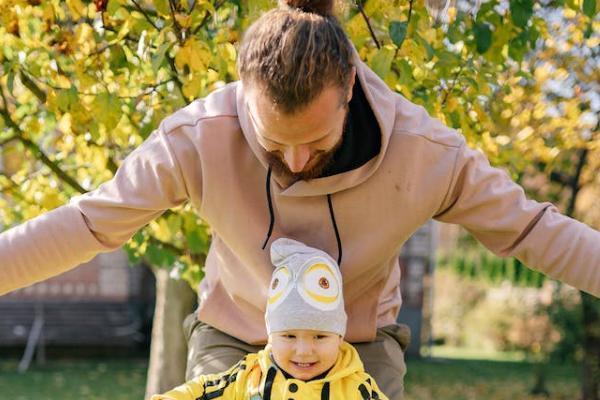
column 495, row 210
column 148, row 182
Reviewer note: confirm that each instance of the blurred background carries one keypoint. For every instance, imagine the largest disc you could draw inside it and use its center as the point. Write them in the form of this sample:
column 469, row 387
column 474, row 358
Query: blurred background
column 83, row 83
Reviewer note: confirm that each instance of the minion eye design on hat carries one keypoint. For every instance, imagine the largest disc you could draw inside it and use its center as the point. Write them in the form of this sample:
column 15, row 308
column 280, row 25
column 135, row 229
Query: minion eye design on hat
column 280, row 287
column 320, row 287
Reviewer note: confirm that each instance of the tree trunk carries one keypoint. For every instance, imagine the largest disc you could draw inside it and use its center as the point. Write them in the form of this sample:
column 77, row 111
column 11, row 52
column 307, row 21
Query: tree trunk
column 591, row 358
column 175, row 300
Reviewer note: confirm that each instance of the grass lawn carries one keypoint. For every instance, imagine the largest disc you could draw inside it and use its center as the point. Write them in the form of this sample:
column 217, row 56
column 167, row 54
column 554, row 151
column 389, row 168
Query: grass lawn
column 119, row 379
column 460, row 379
column 439, row 379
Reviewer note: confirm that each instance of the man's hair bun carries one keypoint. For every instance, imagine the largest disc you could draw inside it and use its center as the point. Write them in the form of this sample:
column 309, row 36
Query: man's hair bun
column 321, row 7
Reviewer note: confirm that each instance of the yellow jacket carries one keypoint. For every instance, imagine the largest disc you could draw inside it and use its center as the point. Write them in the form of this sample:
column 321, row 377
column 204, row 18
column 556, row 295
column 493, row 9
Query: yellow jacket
column 256, row 377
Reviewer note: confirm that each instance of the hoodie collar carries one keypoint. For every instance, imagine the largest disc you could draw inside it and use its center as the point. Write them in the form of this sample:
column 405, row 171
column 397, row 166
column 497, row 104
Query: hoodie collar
column 348, row 362
column 382, row 102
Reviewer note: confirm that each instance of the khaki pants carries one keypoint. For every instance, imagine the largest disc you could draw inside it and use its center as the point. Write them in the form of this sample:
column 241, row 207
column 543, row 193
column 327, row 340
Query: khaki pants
column 211, row 351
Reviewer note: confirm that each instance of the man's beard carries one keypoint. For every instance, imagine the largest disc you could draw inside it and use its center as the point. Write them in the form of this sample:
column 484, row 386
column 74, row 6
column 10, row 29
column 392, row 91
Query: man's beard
column 320, row 161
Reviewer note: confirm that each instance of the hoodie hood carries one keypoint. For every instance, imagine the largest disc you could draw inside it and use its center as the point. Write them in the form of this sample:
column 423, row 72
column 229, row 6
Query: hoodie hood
column 347, row 363
column 382, row 102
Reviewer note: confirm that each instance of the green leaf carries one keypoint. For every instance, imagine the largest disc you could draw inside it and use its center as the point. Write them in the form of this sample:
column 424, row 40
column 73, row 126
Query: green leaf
column 68, row 99
column 382, row 61
column 398, row 32
column 588, row 32
column 10, row 83
column 159, row 56
column 471, row 81
column 518, row 47
column 162, row 6
column 454, row 119
column 424, row 43
column 521, row 11
column 159, row 256
column 117, row 58
column 108, row 108
column 589, row 8
column 572, row 4
column 197, row 242
column 483, row 37
column 454, row 33
column 405, row 72
column 113, row 7
column 534, row 35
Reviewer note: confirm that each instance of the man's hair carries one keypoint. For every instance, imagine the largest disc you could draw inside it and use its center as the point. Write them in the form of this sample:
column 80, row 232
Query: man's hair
column 295, row 51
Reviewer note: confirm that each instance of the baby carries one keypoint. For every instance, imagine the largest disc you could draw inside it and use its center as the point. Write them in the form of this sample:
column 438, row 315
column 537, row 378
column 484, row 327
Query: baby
column 306, row 356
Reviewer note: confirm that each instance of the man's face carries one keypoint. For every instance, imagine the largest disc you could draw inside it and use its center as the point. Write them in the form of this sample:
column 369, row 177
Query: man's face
column 305, row 353
column 301, row 145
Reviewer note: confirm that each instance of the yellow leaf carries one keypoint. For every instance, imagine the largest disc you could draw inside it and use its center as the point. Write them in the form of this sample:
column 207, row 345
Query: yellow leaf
column 452, row 104
column 192, row 88
column 64, row 124
column 50, row 201
column 227, row 51
column 161, row 230
column 84, row 37
column 62, row 81
column 185, row 21
column 194, row 54
column 48, row 14
column 77, row 8
column 123, row 31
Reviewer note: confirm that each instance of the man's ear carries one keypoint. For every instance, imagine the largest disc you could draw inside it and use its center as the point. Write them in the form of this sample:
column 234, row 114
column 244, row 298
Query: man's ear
column 351, row 84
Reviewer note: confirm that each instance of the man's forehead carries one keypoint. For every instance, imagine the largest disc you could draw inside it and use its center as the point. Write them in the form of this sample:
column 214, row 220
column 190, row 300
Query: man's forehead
column 310, row 124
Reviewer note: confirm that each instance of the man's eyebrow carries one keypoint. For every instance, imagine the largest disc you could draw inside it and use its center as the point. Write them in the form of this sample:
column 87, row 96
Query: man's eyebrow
column 283, row 144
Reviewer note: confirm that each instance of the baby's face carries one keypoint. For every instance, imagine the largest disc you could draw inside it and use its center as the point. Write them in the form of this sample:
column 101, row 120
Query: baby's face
column 304, row 353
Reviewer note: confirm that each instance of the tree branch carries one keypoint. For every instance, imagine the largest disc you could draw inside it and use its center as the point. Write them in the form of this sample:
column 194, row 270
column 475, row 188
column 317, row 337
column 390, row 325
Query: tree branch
column 575, row 186
column 146, row 91
column 8, row 140
column 192, row 6
column 447, row 94
column 198, row 258
column 560, row 177
column 30, row 84
column 217, row 5
column 40, row 155
column 366, row 18
column 179, row 35
column 140, row 9
column 410, row 8
column 35, row 149
column 176, row 76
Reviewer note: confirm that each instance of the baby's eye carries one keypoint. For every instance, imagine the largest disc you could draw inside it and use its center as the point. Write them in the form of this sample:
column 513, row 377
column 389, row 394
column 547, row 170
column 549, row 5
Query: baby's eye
column 321, row 336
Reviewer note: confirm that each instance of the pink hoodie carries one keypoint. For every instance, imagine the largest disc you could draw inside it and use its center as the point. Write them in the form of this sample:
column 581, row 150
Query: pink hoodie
column 207, row 153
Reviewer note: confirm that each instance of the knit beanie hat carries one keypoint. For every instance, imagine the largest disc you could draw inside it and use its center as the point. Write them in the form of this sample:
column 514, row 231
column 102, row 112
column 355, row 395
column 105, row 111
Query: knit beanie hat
column 305, row 290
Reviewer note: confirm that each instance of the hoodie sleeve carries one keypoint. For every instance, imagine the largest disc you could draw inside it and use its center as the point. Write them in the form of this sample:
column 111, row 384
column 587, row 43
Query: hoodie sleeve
column 148, row 182
column 228, row 385
column 368, row 389
column 495, row 210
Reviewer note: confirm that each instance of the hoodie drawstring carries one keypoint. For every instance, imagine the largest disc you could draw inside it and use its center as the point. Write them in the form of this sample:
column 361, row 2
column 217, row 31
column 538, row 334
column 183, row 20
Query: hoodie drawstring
column 325, row 391
column 272, row 218
column 335, row 228
column 271, row 213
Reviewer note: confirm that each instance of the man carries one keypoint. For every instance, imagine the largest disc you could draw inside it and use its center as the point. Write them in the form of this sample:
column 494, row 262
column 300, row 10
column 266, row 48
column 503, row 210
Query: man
column 313, row 146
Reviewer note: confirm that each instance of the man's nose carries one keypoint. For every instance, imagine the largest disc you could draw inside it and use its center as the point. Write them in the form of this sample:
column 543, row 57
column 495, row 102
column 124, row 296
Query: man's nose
column 296, row 157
